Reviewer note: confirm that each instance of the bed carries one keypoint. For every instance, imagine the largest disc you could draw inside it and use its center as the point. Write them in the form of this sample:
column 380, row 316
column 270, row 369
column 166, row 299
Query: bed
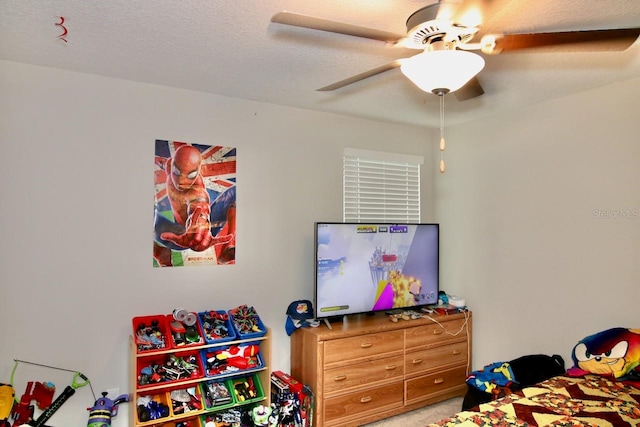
column 592, row 400
column 601, row 389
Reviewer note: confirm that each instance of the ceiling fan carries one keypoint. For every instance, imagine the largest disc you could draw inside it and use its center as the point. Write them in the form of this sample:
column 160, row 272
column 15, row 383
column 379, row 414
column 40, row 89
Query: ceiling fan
column 448, row 32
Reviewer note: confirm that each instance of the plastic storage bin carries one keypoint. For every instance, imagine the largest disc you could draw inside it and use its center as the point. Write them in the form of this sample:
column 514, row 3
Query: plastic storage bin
column 169, row 368
column 216, row 326
column 247, row 389
column 225, row 418
column 183, row 422
column 151, row 333
column 247, row 322
column 186, row 401
column 182, row 335
column 218, row 394
column 226, row 360
column 152, row 408
column 189, row 422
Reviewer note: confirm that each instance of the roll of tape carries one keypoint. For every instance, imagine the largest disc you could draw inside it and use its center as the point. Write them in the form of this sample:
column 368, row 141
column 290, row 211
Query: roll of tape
column 180, row 314
column 190, row 320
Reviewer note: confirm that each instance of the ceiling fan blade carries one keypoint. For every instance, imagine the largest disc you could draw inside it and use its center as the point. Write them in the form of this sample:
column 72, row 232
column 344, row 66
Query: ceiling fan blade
column 470, row 90
column 297, row 20
column 361, row 76
column 594, row 40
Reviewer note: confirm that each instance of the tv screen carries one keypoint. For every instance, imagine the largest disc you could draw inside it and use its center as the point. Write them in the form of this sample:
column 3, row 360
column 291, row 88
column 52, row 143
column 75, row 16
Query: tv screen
column 363, row 268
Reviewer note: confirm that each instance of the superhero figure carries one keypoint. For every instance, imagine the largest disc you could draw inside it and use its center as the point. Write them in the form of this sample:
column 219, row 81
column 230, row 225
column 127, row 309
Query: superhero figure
column 614, row 352
column 193, row 212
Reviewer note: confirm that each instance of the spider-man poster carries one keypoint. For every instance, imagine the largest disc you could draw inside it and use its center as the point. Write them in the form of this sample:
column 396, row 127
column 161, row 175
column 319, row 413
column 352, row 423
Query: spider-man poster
column 195, row 204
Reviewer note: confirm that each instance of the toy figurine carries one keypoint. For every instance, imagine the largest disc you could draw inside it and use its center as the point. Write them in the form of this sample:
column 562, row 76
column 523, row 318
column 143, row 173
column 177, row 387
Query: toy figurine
column 104, row 409
column 260, row 415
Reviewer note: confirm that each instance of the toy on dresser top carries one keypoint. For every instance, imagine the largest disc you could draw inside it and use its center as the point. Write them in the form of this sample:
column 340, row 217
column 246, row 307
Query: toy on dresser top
column 446, row 300
column 449, row 304
column 445, row 309
column 425, row 312
column 405, row 315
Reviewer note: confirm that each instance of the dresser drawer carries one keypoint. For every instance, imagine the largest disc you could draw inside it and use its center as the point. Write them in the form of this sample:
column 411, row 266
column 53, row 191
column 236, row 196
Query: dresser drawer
column 344, row 378
column 345, row 407
column 433, row 358
column 433, row 334
column 424, row 387
column 364, row 346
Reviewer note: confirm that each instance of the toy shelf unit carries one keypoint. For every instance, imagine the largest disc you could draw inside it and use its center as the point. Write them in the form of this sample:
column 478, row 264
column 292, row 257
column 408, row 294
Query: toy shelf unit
column 196, row 372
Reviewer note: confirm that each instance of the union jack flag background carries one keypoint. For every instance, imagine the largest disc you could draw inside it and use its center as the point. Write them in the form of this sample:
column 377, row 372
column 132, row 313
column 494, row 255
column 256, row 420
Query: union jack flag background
column 218, row 170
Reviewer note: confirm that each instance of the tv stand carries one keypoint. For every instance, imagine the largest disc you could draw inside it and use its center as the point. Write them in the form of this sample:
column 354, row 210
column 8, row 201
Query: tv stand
column 368, row 368
column 327, row 322
column 335, row 319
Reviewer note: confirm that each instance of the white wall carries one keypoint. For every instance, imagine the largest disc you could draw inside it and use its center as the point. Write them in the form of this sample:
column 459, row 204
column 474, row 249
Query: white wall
column 520, row 237
column 540, row 213
column 76, row 191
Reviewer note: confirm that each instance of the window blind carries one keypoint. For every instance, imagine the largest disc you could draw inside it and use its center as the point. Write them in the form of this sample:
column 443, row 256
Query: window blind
column 381, row 187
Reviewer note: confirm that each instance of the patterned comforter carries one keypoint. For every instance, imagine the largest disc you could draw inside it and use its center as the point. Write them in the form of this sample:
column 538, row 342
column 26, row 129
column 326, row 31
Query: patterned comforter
column 560, row 401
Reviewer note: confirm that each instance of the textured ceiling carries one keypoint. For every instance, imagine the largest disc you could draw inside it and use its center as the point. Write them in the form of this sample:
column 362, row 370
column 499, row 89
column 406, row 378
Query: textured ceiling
column 231, row 48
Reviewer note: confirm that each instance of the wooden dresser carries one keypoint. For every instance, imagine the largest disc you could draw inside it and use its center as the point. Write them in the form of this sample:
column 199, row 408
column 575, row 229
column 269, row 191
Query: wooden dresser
column 367, row 367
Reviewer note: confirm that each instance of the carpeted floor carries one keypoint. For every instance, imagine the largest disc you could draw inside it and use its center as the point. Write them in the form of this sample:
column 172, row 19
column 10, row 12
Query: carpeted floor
column 422, row 417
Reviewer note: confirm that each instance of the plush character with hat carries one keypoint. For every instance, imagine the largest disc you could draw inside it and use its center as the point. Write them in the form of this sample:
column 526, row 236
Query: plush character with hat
column 299, row 315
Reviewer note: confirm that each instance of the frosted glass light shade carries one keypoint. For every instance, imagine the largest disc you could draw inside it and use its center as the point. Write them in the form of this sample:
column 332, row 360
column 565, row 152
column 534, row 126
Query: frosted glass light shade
column 442, row 69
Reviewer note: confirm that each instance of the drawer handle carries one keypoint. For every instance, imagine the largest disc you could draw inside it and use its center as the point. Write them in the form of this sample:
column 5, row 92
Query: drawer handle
column 416, row 361
column 437, row 332
column 456, row 352
column 438, row 381
column 365, row 399
column 366, row 345
column 390, row 367
column 340, row 378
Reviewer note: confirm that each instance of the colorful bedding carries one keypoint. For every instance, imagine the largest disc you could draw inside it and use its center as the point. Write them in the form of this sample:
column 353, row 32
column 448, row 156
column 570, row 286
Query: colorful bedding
column 591, row 400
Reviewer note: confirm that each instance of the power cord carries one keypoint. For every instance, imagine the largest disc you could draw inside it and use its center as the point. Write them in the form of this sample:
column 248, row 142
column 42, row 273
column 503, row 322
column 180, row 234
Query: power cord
column 464, row 327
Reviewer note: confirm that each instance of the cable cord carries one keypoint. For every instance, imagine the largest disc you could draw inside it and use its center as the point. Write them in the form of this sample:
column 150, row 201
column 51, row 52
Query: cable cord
column 465, row 328
column 462, row 328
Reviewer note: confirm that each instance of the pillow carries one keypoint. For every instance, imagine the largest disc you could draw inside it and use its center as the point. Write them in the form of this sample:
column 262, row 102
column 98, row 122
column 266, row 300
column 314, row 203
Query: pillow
column 613, row 353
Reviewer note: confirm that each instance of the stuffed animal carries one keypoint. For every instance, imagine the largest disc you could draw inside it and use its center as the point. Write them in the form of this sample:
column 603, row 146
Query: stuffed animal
column 614, row 353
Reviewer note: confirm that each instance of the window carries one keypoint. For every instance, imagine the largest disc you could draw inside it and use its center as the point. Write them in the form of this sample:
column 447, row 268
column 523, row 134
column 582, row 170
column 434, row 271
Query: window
column 381, row 187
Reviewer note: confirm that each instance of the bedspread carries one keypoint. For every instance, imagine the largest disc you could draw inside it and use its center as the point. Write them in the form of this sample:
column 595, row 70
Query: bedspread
column 560, row 401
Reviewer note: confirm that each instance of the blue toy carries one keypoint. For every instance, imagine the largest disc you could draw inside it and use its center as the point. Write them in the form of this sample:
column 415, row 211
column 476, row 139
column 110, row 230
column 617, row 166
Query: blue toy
column 104, row 409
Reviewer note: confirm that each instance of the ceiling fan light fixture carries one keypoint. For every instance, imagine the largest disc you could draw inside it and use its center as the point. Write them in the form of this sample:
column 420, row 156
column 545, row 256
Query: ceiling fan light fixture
column 442, row 71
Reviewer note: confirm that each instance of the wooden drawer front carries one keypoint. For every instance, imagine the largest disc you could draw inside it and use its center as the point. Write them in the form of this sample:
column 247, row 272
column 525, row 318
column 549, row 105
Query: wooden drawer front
column 346, row 377
column 363, row 346
column 421, row 388
column 370, row 400
column 422, row 360
column 431, row 334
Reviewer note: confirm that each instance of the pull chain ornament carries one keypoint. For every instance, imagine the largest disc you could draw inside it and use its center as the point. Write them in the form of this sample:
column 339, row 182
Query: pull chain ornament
column 442, row 141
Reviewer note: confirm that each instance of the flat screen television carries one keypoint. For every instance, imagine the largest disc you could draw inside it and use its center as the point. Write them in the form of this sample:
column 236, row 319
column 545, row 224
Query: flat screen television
column 364, row 268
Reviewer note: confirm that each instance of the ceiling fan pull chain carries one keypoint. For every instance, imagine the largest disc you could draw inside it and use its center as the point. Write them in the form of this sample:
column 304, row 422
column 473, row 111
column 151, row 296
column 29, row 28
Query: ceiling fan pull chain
column 442, row 142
